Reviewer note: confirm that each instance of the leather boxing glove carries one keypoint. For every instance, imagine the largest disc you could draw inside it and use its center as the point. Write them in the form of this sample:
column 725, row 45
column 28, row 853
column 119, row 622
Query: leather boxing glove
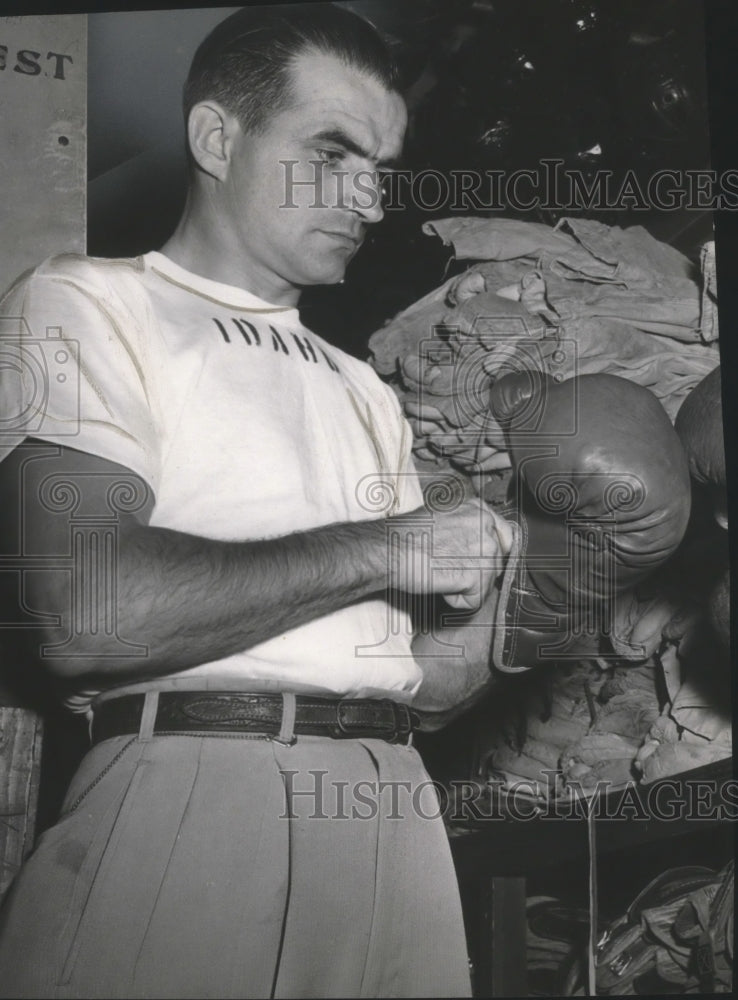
column 699, row 425
column 601, row 500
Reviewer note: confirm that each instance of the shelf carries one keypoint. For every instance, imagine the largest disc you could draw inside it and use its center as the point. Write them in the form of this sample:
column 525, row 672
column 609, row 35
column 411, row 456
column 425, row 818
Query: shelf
column 511, row 840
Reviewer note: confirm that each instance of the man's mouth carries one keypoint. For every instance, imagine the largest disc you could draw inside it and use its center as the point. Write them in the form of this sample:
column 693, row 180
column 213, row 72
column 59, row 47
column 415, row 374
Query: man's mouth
column 349, row 239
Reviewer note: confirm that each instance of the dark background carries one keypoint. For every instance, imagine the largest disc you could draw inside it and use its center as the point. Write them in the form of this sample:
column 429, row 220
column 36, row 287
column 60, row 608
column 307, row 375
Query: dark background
column 490, row 86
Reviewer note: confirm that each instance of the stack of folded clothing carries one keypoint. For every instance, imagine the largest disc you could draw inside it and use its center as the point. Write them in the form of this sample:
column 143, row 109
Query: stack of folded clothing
column 572, row 727
column 579, row 298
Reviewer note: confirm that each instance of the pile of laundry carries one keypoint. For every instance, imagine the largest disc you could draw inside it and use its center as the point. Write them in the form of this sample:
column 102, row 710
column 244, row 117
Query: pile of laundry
column 577, row 298
column 572, row 728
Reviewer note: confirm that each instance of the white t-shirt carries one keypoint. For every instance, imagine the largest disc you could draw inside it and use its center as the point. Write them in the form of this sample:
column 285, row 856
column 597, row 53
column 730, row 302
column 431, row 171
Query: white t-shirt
column 244, row 424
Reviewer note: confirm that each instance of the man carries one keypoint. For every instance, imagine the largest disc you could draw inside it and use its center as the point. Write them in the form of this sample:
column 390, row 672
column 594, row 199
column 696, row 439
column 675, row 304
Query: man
column 213, row 469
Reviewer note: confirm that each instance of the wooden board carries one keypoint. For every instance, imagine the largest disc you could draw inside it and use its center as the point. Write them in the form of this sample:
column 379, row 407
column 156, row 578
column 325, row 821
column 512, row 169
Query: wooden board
column 20, row 757
column 43, row 149
column 43, row 152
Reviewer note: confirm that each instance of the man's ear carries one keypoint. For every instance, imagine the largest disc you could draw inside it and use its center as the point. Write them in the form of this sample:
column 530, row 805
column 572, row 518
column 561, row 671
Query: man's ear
column 210, row 133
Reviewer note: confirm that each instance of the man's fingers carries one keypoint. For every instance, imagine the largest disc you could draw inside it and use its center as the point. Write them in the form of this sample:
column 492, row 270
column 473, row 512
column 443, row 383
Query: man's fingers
column 504, row 531
column 425, row 411
column 460, row 560
column 421, row 428
column 496, row 527
column 464, row 602
column 472, row 597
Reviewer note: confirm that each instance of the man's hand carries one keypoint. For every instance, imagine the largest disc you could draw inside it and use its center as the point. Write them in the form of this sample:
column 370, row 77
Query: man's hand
column 470, row 548
column 457, row 554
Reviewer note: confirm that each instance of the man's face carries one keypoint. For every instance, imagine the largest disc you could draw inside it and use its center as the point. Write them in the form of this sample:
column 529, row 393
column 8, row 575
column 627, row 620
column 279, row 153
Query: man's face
column 301, row 194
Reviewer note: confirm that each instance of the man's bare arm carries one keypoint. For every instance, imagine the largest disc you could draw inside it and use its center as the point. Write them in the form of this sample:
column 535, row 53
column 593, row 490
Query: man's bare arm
column 192, row 600
column 456, row 680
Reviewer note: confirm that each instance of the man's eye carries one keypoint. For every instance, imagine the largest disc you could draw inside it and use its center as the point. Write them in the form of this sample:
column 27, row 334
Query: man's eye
column 330, row 156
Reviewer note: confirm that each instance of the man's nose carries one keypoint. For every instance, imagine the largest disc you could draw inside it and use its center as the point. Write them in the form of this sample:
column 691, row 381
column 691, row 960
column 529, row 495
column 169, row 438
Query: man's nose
column 365, row 195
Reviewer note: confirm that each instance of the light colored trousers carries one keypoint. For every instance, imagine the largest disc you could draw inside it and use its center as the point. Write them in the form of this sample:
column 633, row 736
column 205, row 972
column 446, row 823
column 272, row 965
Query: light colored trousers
column 226, row 866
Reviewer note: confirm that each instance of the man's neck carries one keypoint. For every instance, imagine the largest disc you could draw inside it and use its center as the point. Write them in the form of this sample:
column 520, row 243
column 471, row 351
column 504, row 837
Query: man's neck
column 200, row 248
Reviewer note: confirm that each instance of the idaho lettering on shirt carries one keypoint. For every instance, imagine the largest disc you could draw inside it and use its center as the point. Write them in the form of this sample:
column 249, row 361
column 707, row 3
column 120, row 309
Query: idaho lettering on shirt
column 285, row 343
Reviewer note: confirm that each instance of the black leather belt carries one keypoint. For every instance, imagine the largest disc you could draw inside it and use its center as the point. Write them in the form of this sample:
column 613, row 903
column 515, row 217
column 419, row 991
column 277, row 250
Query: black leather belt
column 235, row 712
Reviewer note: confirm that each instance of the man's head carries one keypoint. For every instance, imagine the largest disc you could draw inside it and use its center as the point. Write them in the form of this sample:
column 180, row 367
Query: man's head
column 244, row 63
column 293, row 116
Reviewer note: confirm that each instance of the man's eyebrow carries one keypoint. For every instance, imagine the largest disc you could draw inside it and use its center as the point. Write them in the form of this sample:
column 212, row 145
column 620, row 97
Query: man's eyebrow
column 340, row 138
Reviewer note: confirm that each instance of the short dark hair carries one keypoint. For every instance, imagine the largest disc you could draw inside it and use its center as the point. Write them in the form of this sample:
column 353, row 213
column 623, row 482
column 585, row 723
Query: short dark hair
column 243, row 64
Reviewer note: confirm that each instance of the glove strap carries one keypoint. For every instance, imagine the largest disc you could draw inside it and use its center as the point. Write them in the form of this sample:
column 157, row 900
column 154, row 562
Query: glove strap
column 506, row 655
column 526, row 627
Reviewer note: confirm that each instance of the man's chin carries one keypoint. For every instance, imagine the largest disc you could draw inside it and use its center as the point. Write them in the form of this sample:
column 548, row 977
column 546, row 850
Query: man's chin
column 327, row 276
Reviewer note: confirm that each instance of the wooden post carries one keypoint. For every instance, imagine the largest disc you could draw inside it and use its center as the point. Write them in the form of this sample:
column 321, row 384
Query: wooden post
column 498, row 934
column 20, row 756
column 44, row 139
column 43, row 71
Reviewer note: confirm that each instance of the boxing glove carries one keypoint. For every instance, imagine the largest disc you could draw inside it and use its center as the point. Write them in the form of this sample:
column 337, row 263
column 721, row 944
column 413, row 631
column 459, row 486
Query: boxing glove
column 699, row 424
column 601, row 500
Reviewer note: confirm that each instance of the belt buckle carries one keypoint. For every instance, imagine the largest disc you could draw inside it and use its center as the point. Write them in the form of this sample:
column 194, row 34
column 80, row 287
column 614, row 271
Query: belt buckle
column 348, row 730
column 400, row 727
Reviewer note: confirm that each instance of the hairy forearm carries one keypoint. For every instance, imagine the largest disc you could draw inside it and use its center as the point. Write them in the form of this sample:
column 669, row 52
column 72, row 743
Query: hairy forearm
column 191, row 600
column 179, row 600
